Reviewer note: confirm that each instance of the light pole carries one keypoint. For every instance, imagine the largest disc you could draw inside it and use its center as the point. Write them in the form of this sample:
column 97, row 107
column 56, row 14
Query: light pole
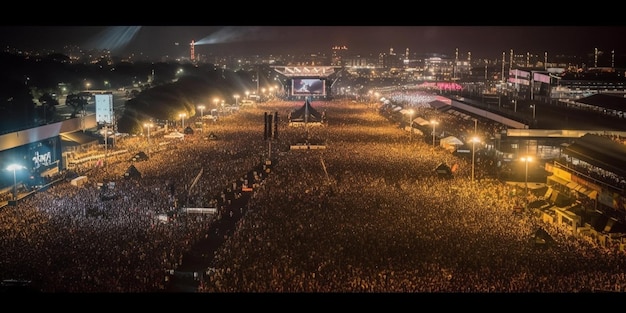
column 15, row 167
column 411, row 123
column 533, row 106
column 526, row 160
column 475, row 126
column 474, row 141
column 236, row 100
column 216, row 101
column 434, row 128
column 182, row 119
column 247, row 94
column 106, row 146
column 201, row 107
column 148, row 126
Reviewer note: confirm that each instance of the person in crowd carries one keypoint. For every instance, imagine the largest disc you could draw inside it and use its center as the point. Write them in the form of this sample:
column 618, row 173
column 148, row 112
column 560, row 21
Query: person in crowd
column 366, row 214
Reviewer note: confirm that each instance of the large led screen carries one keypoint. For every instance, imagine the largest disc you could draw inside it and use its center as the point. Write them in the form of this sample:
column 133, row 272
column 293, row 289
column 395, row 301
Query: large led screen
column 308, row 86
column 104, row 108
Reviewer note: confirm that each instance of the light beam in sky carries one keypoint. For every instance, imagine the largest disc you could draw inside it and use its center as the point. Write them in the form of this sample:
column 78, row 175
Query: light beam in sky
column 113, row 38
column 228, row 34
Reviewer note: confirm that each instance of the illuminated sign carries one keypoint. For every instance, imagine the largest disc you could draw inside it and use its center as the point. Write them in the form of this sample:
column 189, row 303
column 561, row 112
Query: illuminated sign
column 104, row 108
column 44, row 159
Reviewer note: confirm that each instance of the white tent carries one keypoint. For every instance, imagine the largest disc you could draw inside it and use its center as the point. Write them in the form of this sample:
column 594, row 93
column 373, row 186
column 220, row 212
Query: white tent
column 451, row 140
column 79, row 181
column 450, row 143
column 420, row 121
column 175, row 135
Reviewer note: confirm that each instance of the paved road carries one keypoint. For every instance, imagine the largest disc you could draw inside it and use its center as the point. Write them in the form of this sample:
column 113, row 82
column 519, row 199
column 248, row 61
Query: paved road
column 198, row 261
column 119, row 100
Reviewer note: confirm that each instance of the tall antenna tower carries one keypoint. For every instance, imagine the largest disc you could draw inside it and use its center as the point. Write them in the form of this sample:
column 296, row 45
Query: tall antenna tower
column 456, row 62
column 503, row 61
column 595, row 57
column 193, row 50
column 469, row 62
column 485, row 60
column 612, row 58
column 406, row 58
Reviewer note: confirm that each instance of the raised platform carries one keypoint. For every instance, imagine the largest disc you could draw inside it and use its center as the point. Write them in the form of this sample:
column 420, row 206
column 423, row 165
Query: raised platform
column 306, row 147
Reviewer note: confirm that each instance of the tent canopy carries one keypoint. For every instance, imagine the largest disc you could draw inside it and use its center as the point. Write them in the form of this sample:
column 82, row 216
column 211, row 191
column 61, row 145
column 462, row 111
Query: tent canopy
column 439, row 105
column 79, row 138
column 140, row 156
column 420, row 121
column 132, row 172
column 174, row 135
column 306, row 113
column 451, row 140
column 443, row 170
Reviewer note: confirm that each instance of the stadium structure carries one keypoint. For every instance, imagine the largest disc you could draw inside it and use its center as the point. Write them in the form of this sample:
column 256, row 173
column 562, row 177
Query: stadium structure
column 42, row 152
column 308, row 82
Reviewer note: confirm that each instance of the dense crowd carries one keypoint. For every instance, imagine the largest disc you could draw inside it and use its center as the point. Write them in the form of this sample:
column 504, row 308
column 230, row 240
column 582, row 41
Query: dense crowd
column 106, row 236
column 366, row 214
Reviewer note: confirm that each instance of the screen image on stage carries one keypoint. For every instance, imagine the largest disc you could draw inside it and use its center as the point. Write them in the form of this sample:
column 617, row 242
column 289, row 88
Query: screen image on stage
column 308, row 86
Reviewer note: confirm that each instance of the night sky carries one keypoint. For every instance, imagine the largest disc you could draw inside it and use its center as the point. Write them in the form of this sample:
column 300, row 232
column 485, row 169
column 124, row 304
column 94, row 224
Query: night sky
column 482, row 41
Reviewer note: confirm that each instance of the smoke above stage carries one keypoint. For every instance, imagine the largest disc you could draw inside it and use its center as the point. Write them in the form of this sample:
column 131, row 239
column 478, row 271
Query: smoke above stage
column 231, row 34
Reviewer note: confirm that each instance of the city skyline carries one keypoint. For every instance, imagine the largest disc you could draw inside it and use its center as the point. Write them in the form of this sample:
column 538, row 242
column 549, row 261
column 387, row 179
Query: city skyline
column 482, row 42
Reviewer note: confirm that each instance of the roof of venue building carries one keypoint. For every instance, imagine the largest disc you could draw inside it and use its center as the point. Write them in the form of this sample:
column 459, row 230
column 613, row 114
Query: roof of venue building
column 607, row 101
column 599, row 151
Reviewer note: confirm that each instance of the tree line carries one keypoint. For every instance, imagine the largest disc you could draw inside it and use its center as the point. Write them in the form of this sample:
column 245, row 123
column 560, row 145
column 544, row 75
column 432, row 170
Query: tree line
column 31, row 87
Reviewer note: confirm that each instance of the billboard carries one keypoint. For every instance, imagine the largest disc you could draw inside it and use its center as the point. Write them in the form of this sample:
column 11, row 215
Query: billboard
column 519, row 81
column 519, row 77
column 308, row 86
column 539, row 77
column 104, row 108
column 519, row 74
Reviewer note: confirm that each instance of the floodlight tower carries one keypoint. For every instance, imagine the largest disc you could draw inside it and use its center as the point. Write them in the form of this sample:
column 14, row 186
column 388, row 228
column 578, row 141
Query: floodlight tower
column 503, row 62
column 469, row 62
column 193, row 52
column 612, row 58
column 456, row 62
